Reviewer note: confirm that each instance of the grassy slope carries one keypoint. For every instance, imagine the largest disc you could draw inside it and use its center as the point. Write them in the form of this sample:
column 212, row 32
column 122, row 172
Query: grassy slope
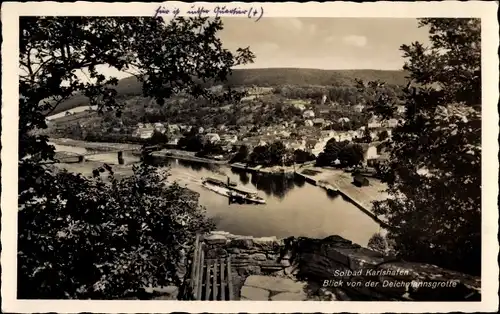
column 268, row 77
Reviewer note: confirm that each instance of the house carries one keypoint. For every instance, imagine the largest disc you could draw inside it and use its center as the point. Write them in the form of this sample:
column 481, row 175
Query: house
column 159, row 127
column 319, row 122
column 391, row 123
column 308, row 114
column 212, row 137
column 400, row 109
column 360, row 180
column 143, row 133
column 308, row 123
column 230, row 138
column 294, row 144
column 359, row 108
column 310, row 144
column 323, row 109
column 374, row 123
column 343, row 120
column 356, row 133
column 382, row 158
column 173, row 141
column 301, row 107
column 173, row 128
column 252, row 142
column 284, row 133
column 370, row 151
column 341, row 136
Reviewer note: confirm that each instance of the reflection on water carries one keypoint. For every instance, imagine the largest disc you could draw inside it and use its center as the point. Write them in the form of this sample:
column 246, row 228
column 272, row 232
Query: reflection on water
column 332, row 194
column 244, row 178
column 293, row 207
column 277, row 185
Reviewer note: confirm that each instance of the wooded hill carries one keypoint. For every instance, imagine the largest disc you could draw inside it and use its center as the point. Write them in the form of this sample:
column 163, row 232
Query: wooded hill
column 268, row 77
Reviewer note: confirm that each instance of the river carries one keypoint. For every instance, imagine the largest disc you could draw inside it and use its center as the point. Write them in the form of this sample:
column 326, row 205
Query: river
column 293, row 207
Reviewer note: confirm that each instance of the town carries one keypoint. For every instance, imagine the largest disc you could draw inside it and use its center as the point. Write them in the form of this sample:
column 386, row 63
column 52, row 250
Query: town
column 301, row 131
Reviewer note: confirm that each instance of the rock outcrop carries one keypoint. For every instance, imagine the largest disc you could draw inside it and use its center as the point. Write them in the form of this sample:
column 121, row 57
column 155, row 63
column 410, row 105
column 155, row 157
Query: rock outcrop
column 332, row 269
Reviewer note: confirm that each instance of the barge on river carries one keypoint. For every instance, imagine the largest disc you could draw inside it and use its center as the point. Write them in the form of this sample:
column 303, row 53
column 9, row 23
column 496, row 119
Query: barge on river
column 232, row 191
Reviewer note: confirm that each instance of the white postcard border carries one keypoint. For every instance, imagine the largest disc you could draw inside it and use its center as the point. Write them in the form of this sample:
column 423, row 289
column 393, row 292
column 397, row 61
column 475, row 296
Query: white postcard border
column 10, row 52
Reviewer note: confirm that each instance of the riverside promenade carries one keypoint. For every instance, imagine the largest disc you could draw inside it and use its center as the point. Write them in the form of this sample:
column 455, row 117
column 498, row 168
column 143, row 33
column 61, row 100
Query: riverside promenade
column 339, row 182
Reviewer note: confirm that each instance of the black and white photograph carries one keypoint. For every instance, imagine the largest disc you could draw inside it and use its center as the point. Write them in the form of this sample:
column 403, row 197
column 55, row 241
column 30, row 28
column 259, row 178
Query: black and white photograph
column 187, row 152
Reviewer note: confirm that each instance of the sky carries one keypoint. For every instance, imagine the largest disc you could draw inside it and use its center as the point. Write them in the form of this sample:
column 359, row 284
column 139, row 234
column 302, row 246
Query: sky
column 320, row 43
column 324, row 43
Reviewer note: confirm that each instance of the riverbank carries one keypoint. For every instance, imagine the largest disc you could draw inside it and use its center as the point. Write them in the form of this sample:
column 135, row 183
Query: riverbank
column 272, row 170
column 292, row 207
column 185, row 155
column 102, row 146
column 340, row 182
column 175, row 154
column 332, row 180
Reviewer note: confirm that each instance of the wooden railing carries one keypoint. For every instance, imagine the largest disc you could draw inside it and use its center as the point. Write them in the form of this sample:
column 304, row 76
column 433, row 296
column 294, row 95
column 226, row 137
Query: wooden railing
column 211, row 279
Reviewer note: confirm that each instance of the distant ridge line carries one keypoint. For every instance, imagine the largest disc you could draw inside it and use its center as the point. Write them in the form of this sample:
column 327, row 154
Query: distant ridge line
column 268, row 77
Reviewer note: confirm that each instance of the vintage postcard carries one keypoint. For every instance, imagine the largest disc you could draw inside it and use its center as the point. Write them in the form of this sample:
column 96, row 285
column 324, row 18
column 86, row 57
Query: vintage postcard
column 274, row 157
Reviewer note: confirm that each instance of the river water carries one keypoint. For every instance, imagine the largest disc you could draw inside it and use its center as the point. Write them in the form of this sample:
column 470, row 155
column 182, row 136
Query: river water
column 293, row 207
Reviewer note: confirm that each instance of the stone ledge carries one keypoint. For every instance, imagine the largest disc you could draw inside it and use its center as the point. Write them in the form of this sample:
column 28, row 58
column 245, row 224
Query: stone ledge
column 335, row 258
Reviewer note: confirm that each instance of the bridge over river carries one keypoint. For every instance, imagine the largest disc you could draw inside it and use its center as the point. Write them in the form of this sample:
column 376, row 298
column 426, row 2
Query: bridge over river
column 74, row 157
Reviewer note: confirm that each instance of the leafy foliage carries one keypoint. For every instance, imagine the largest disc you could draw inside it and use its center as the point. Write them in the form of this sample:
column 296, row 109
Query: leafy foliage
column 241, row 155
column 434, row 173
column 301, row 156
column 344, row 154
column 107, row 240
column 274, row 154
column 191, row 142
column 80, row 238
column 158, row 138
column 377, row 243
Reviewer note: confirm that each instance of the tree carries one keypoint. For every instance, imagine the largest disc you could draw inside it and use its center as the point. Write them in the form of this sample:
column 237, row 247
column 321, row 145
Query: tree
column 378, row 243
column 83, row 238
column 211, row 148
column 435, row 164
column 367, row 137
column 158, row 138
column 330, row 153
column 192, row 143
column 301, row 156
column 383, row 135
column 351, row 155
column 277, row 153
column 241, row 155
column 260, row 155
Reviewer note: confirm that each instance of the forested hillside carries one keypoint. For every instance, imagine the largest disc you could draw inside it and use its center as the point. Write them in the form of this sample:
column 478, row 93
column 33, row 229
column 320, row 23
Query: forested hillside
column 269, row 77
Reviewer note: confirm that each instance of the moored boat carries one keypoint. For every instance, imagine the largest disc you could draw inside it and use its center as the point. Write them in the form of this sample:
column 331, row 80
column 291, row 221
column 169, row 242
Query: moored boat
column 231, row 190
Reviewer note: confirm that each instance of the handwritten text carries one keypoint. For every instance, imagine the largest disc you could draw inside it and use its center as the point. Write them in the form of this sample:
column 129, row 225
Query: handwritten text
column 219, row 11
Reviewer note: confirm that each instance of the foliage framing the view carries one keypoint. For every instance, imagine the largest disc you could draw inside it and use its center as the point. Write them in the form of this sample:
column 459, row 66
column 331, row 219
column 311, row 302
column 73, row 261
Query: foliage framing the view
column 81, row 238
column 434, row 173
